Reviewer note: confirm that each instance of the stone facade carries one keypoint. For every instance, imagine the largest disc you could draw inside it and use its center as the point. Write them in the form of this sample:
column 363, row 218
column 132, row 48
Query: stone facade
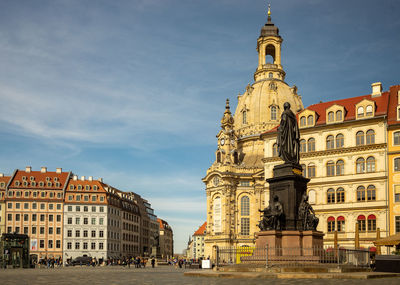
column 166, row 240
column 235, row 182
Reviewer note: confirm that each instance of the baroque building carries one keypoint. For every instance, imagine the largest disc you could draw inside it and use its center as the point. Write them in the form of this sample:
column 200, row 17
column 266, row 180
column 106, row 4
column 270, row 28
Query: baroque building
column 235, row 182
column 343, row 148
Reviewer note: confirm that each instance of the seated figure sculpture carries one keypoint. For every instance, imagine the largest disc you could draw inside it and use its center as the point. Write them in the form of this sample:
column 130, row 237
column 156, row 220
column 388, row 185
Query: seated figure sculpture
column 272, row 216
column 307, row 215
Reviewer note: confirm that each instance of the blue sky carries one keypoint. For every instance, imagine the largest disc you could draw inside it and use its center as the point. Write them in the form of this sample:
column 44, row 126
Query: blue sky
column 133, row 91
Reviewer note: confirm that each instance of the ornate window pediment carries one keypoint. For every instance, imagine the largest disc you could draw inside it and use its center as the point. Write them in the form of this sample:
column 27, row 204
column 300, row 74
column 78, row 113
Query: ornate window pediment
column 335, row 114
column 365, row 109
column 307, row 118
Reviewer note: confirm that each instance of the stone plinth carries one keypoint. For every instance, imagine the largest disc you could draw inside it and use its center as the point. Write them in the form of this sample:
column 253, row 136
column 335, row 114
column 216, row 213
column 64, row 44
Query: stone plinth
column 289, row 185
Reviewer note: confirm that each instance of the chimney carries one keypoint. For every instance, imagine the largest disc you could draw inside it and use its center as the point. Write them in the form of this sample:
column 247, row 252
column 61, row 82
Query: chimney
column 1, row 174
column 376, row 89
column 43, row 169
column 90, row 178
column 28, row 169
column 75, row 177
column 58, row 170
column 82, row 178
column 101, row 179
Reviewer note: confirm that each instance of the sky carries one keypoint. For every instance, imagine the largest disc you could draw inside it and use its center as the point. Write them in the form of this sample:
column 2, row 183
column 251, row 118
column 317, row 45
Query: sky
column 133, row 91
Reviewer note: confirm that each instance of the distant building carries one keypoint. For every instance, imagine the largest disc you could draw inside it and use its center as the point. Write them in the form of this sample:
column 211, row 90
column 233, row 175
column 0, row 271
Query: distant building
column 3, row 185
column 86, row 220
column 66, row 216
column 35, row 201
column 198, row 242
column 166, row 240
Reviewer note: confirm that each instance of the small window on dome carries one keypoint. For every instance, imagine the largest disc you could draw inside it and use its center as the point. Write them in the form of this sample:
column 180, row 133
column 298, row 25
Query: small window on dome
column 270, row 75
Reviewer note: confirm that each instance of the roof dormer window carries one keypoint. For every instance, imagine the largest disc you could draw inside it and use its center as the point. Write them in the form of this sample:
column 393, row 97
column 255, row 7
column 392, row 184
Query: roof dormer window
column 303, row 121
column 360, row 112
column 331, row 117
column 310, row 120
column 369, row 111
column 339, row 115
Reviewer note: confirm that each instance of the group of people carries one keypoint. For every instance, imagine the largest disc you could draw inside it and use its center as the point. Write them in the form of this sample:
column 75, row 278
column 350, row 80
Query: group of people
column 49, row 262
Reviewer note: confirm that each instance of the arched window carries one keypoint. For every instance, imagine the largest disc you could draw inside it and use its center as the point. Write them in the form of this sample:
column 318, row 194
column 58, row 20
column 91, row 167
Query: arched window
column 360, row 194
column 310, row 120
column 339, row 141
column 275, row 149
column 330, row 196
column 311, row 196
column 361, row 223
column 218, row 157
column 370, row 137
column 304, row 168
column 245, row 206
column 330, row 168
column 311, row 144
column 303, row 146
column 360, row 165
column 340, row 195
column 245, row 212
column 330, row 142
column 273, row 113
column 369, row 110
column 331, row 117
column 371, row 223
column 339, row 115
column 244, row 117
column 331, row 224
column 371, row 193
column 270, row 75
column 360, row 138
column 340, row 167
column 360, row 112
column 371, row 164
column 397, row 164
column 302, row 121
column 311, row 170
column 340, row 224
column 217, row 215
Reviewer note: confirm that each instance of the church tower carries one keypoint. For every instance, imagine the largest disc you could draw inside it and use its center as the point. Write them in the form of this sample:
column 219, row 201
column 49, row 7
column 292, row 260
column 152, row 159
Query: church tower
column 235, row 182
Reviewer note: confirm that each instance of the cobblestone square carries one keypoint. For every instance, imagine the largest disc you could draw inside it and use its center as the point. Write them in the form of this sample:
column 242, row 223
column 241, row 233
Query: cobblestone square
column 148, row 276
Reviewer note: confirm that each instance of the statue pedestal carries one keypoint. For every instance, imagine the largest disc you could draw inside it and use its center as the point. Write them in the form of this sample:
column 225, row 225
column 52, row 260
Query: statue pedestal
column 297, row 246
column 289, row 185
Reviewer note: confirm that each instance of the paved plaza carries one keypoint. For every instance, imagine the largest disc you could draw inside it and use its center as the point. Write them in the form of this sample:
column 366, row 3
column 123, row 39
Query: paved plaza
column 160, row 275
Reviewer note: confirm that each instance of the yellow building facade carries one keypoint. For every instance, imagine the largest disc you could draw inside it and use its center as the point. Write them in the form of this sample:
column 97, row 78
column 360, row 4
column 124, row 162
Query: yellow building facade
column 235, row 182
column 344, row 152
column 394, row 160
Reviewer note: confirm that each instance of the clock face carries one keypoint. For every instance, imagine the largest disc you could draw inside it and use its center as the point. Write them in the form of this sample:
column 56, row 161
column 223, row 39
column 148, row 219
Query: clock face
column 222, row 142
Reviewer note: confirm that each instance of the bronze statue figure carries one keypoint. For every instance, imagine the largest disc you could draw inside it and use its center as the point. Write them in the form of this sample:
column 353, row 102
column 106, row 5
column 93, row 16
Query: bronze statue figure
column 272, row 216
column 288, row 136
column 307, row 215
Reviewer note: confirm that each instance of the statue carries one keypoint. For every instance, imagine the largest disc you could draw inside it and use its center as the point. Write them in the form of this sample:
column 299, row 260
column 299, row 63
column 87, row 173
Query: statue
column 288, row 136
column 272, row 216
column 307, row 215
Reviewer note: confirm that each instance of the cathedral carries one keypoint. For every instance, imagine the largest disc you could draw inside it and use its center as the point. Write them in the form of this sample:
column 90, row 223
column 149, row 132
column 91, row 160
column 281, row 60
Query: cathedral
column 235, row 182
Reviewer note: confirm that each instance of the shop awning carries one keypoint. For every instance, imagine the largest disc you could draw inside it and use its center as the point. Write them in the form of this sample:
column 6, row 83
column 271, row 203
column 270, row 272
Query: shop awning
column 390, row 240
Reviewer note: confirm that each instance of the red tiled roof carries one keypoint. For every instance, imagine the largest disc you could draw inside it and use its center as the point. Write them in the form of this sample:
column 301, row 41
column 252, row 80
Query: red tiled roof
column 40, row 177
column 201, row 230
column 4, row 179
column 393, row 103
column 83, row 183
column 349, row 104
